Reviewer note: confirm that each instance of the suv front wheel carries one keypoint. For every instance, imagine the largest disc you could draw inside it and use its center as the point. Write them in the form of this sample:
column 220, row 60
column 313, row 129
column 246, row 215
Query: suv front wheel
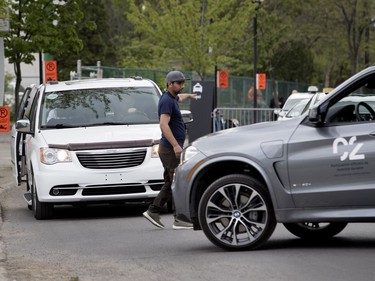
column 236, row 213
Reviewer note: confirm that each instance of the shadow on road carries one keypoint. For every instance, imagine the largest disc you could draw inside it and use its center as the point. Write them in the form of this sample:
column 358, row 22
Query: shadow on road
column 340, row 242
column 95, row 211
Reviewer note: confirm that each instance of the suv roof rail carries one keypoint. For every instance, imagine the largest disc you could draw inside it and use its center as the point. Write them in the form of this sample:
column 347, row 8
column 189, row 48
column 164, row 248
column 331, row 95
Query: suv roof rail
column 136, row 77
column 52, row 82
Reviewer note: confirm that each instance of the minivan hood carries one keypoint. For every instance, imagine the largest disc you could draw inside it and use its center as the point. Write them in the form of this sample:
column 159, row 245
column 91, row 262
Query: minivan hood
column 105, row 134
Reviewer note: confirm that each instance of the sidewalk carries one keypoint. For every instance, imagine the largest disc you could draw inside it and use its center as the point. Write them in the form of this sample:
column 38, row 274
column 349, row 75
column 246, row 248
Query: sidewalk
column 5, row 137
column 5, row 161
column 6, row 181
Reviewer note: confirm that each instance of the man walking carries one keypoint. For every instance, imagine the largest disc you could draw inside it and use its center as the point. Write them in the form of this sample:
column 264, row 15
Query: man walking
column 171, row 143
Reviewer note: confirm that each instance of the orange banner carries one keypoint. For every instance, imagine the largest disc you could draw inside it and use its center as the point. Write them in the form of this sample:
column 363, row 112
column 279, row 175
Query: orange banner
column 261, row 79
column 222, row 79
column 4, row 119
column 50, row 70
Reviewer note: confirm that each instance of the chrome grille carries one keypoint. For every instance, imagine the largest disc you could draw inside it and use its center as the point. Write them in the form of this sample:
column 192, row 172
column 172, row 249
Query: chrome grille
column 112, row 160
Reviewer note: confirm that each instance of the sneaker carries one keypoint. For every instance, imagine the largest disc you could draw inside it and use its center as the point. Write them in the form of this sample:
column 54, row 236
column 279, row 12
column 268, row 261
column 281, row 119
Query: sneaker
column 154, row 218
column 182, row 225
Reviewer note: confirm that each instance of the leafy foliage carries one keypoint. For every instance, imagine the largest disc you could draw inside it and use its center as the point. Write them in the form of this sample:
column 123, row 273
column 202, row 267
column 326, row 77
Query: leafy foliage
column 314, row 41
column 40, row 26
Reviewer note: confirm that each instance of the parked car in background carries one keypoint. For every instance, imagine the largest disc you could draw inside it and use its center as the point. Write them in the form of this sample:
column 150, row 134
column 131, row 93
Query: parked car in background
column 314, row 174
column 88, row 141
column 295, row 98
column 303, row 106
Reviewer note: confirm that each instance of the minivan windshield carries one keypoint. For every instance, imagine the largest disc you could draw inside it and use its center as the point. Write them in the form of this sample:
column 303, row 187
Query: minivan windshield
column 99, row 107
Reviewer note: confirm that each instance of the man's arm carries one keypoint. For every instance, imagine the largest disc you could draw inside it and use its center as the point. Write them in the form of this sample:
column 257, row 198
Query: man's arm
column 164, row 121
column 182, row 97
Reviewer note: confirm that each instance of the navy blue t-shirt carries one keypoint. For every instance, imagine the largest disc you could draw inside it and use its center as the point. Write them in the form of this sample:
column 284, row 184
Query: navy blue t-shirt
column 169, row 105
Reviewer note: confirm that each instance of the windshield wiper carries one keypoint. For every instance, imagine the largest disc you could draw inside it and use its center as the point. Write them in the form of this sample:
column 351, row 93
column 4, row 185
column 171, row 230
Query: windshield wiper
column 105, row 124
column 60, row 126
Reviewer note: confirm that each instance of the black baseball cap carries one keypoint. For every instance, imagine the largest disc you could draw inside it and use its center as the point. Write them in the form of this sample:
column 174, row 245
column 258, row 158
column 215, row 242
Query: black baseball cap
column 175, row 76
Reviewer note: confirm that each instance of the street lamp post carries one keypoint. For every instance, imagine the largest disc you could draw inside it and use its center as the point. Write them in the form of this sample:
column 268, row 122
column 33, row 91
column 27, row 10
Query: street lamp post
column 255, row 94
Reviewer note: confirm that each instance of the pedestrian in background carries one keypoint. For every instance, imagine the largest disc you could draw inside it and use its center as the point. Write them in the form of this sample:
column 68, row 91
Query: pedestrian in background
column 171, row 143
column 259, row 111
column 260, row 101
column 277, row 106
column 219, row 124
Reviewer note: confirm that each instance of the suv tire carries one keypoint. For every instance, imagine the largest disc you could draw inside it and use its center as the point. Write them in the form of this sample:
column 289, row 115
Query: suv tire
column 236, row 213
column 315, row 230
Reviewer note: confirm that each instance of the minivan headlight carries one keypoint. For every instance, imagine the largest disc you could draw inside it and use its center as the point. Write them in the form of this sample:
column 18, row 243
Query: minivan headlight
column 52, row 156
column 188, row 153
column 154, row 151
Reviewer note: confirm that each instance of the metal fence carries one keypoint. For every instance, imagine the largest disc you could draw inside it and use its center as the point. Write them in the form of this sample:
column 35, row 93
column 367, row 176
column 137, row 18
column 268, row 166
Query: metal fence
column 235, row 96
column 234, row 117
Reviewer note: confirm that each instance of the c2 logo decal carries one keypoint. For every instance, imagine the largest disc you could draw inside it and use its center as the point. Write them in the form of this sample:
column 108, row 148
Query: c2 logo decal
column 353, row 153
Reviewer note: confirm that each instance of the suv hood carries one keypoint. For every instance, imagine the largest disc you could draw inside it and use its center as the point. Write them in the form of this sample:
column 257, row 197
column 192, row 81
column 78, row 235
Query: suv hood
column 242, row 139
column 104, row 134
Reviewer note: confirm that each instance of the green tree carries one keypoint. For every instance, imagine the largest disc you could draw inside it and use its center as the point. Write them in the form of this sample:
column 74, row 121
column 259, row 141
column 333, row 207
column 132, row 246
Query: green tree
column 335, row 33
column 312, row 41
column 197, row 35
column 287, row 63
column 119, row 30
column 232, row 35
column 89, row 30
column 356, row 17
column 170, row 34
column 104, row 32
column 40, row 26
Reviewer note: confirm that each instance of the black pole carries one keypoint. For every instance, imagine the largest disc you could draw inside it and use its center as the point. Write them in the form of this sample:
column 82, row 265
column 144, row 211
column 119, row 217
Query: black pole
column 40, row 68
column 255, row 65
column 215, row 90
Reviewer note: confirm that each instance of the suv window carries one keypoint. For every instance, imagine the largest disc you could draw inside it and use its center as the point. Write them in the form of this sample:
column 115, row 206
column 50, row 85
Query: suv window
column 90, row 107
column 358, row 106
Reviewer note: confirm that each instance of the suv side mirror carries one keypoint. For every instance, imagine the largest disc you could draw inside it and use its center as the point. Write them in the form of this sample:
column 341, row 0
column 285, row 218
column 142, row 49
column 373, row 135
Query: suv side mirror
column 314, row 115
column 317, row 114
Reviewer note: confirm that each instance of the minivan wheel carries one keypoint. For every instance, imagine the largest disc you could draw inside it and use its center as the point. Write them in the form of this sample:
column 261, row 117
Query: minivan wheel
column 41, row 210
column 315, row 230
column 236, row 213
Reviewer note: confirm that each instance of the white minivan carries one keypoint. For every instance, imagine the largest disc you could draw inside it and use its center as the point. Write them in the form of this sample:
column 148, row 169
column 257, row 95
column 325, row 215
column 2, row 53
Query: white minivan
column 88, row 141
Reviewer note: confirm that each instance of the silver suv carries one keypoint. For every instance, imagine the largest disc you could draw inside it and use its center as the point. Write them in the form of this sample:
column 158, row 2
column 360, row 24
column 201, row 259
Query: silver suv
column 314, row 173
column 88, row 141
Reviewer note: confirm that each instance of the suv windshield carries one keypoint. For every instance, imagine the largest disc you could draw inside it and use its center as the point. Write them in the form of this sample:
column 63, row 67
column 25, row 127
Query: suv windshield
column 103, row 106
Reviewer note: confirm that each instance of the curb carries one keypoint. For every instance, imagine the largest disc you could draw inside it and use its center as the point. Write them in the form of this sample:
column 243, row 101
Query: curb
column 5, row 168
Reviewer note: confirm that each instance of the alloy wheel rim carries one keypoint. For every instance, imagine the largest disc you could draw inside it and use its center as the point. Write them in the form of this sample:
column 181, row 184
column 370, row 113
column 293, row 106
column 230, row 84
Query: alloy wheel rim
column 236, row 214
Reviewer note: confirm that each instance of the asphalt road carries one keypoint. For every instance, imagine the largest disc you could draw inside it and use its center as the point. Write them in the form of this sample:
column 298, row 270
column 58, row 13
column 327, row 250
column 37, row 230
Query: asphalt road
column 117, row 243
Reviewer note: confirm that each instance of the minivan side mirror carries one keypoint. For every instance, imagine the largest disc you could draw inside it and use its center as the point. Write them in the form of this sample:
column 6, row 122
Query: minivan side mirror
column 187, row 116
column 23, row 126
